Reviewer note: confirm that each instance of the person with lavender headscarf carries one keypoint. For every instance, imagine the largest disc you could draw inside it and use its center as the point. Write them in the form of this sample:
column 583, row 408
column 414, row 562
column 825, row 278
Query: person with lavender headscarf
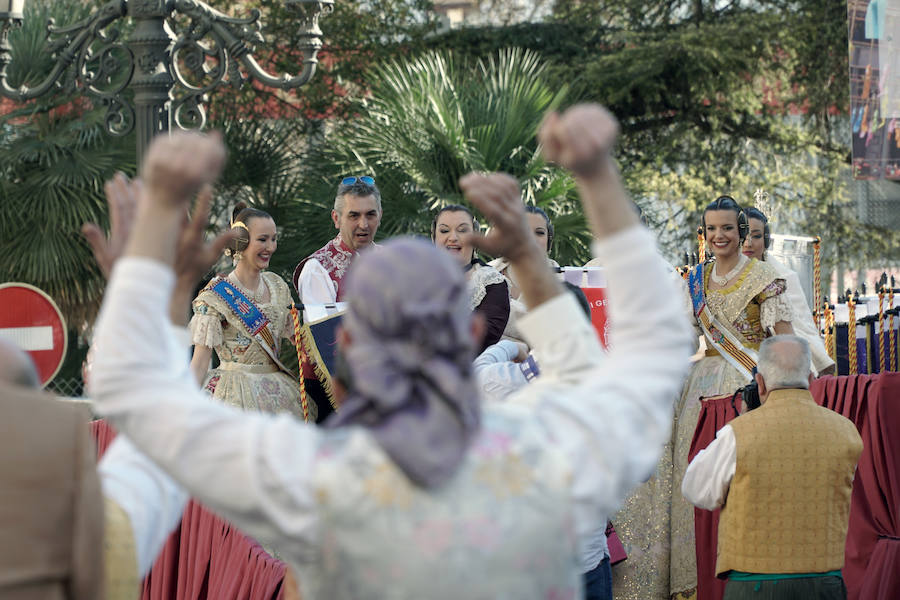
column 415, row 489
column 411, row 352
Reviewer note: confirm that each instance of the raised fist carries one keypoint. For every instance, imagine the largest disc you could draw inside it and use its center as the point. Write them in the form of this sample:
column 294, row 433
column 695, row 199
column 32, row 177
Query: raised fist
column 580, row 139
column 498, row 197
column 176, row 166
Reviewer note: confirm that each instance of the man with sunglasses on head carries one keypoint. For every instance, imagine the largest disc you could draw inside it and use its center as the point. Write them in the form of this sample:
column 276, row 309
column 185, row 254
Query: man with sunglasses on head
column 318, row 277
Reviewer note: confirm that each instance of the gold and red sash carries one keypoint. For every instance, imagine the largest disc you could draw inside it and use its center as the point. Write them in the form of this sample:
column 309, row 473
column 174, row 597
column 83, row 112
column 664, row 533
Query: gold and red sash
column 720, row 337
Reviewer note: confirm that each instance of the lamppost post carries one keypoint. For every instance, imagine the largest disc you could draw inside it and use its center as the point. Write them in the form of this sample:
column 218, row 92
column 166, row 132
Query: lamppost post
column 170, row 72
column 151, row 81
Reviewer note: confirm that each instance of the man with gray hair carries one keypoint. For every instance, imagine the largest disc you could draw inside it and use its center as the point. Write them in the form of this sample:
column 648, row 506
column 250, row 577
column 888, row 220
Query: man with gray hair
column 319, row 277
column 784, row 364
column 356, row 216
column 782, row 475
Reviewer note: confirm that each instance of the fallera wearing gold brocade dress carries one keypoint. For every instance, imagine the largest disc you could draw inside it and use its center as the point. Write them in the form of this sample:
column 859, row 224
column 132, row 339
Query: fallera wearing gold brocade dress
column 247, row 377
column 749, row 308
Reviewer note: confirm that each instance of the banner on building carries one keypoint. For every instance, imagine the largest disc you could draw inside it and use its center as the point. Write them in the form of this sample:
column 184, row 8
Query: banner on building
column 874, row 28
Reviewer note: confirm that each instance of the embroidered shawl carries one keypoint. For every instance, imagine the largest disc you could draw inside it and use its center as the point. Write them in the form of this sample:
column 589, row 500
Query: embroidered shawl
column 335, row 257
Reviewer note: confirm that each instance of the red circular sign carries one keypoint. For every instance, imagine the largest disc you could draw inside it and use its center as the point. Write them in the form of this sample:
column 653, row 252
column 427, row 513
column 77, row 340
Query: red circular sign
column 30, row 319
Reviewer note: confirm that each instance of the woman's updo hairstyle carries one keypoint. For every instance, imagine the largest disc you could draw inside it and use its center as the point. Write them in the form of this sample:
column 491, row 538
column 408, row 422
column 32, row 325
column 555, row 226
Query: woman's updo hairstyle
column 240, row 220
column 754, row 213
column 728, row 203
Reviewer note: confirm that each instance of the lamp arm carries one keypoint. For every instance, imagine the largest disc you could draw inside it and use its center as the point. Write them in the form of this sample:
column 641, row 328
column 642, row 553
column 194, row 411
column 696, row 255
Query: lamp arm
column 282, row 81
column 215, row 49
column 69, row 45
column 235, row 39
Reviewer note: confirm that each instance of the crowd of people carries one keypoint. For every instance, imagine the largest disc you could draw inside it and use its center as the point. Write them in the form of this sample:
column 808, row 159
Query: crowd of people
column 479, row 436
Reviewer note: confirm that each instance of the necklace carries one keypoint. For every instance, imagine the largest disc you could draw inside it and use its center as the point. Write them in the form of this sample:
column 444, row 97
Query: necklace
column 254, row 296
column 723, row 279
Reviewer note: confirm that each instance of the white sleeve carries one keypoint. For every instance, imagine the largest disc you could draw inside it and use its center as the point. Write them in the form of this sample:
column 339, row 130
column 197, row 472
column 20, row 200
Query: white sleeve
column 708, row 477
column 150, row 498
column 611, row 413
column 502, row 351
column 252, row 469
column 496, row 374
column 153, row 501
column 803, row 324
column 314, row 285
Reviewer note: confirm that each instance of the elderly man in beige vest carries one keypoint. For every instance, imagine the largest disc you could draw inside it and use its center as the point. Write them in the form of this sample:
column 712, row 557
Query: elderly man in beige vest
column 51, row 513
column 69, row 528
column 782, row 475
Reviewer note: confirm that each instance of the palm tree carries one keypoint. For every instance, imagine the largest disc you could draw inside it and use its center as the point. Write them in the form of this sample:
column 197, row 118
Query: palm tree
column 54, row 158
column 429, row 120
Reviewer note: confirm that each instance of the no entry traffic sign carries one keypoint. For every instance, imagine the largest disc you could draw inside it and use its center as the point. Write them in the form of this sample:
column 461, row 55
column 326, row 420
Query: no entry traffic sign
column 30, row 319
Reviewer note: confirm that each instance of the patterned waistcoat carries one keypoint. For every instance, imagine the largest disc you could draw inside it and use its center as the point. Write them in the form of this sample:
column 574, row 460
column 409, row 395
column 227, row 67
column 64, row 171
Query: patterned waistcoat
column 336, row 257
column 788, row 505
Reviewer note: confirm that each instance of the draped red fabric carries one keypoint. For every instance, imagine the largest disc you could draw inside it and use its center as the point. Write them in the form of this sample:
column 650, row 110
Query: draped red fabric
column 714, row 413
column 206, row 558
column 103, row 436
column 872, row 553
column 614, row 545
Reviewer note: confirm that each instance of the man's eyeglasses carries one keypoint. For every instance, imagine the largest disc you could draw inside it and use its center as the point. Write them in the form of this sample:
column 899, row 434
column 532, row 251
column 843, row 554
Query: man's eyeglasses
column 366, row 179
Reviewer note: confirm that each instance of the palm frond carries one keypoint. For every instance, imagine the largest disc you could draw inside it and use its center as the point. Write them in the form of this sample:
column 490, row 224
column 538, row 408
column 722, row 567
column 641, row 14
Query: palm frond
column 53, row 170
column 431, row 119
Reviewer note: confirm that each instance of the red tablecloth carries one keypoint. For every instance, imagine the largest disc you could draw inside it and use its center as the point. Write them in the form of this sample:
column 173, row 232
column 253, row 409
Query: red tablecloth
column 205, row 557
column 872, row 553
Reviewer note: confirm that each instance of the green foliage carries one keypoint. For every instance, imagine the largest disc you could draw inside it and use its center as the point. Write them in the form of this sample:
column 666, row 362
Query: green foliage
column 31, row 62
column 357, row 35
column 713, row 98
column 427, row 121
column 54, row 158
column 52, row 172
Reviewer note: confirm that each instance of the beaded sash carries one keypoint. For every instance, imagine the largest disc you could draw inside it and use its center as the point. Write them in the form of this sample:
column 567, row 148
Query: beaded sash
column 722, row 339
column 255, row 322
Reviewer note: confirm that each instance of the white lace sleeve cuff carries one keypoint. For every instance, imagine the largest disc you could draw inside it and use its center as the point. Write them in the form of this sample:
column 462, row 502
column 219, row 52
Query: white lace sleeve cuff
column 774, row 309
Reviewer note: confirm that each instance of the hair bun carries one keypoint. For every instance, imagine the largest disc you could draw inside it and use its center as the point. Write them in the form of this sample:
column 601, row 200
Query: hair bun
column 241, row 205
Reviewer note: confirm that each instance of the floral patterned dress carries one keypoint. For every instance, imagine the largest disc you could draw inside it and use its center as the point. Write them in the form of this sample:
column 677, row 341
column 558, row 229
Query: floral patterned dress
column 246, row 376
column 749, row 308
column 375, row 527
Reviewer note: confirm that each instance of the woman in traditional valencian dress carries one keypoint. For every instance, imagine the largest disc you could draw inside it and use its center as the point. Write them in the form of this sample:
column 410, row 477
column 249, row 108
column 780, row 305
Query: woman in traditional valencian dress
column 736, row 303
column 488, row 290
column 755, row 246
column 542, row 228
column 243, row 316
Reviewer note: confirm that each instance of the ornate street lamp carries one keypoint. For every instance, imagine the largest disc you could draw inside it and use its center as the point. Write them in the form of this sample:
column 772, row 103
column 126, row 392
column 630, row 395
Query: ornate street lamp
column 170, row 68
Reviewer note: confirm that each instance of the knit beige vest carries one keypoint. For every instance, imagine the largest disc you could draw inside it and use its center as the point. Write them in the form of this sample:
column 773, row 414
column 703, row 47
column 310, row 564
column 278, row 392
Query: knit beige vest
column 788, row 505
